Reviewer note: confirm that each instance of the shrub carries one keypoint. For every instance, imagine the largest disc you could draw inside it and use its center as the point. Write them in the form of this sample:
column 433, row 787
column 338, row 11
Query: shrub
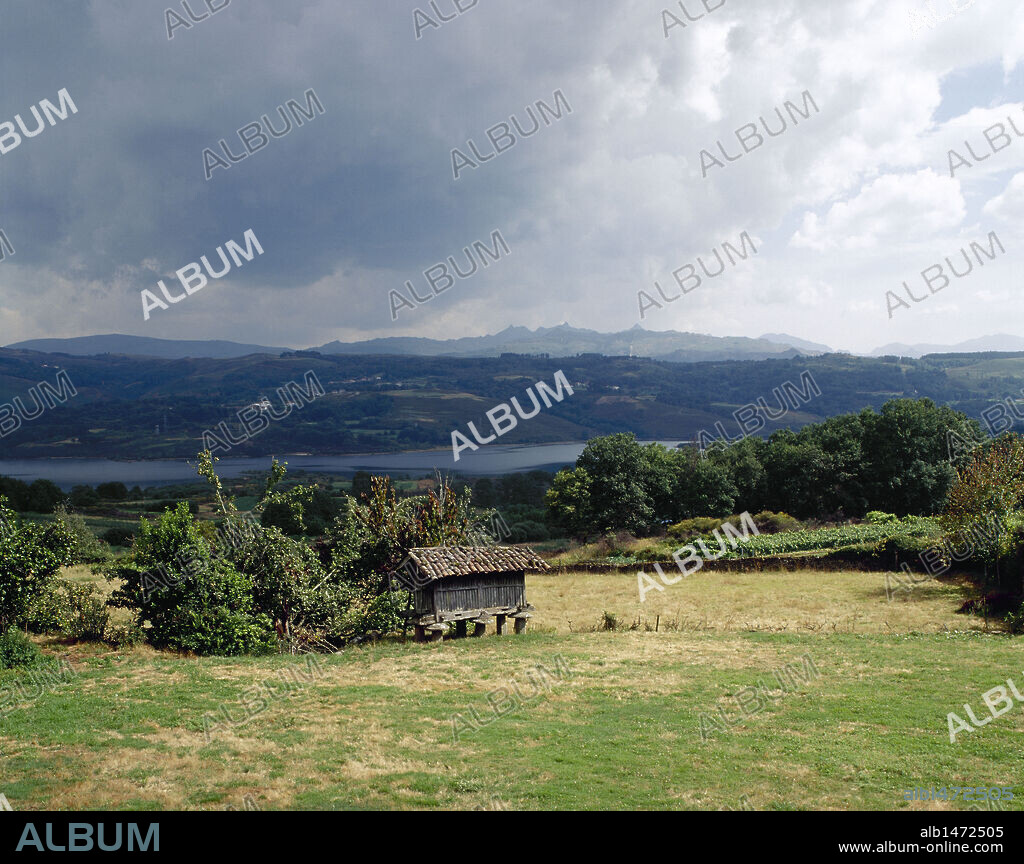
column 17, row 651
column 902, row 548
column 210, row 611
column 76, row 611
column 688, row 529
column 89, row 615
column 87, row 548
column 30, row 556
column 112, row 491
column 124, row 635
column 118, row 537
column 288, row 580
column 84, row 496
column 993, row 603
column 877, row 517
column 1015, row 620
column 48, row 612
column 768, row 522
column 526, row 532
column 283, row 513
column 193, row 601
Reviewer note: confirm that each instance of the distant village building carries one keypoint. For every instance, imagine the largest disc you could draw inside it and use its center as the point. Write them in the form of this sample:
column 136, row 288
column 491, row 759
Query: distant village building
column 469, row 583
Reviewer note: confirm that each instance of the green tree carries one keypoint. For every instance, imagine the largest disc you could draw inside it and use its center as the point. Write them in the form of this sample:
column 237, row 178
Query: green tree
column 568, row 501
column 742, row 462
column 112, row 491
column 17, row 494
column 985, row 504
column 370, row 543
column 87, row 547
column 84, row 496
column 30, row 556
column 621, row 483
column 702, row 488
column 43, row 496
column 840, row 441
column 906, row 456
column 796, row 473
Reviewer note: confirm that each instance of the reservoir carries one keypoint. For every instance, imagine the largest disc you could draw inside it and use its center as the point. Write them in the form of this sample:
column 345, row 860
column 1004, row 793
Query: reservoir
column 488, row 461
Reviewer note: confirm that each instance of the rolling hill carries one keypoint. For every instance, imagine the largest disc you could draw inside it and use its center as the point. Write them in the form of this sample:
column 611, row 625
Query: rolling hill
column 139, row 408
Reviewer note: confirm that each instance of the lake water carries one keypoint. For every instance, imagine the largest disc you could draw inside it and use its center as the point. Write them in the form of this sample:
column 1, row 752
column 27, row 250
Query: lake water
column 487, row 461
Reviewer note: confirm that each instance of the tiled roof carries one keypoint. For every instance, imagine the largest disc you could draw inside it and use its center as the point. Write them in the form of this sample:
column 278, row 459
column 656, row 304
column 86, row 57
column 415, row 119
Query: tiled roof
column 440, row 562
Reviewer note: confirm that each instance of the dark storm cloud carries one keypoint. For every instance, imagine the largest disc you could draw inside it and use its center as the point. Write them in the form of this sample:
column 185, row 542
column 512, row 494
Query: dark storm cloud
column 361, row 198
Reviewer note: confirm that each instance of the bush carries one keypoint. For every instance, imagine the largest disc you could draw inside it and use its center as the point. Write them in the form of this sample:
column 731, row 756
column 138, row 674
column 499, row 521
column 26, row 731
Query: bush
column 124, row 635
column 768, row 522
column 77, row 611
column 118, row 537
column 30, row 556
column 689, row 529
column 87, row 548
column 112, row 491
column 1015, row 620
column 16, row 651
column 84, row 496
column 997, row 603
column 208, row 612
column 193, row 601
column 877, row 517
column 289, row 584
column 89, row 615
column 49, row 612
column 527, row 532
column 902, row 548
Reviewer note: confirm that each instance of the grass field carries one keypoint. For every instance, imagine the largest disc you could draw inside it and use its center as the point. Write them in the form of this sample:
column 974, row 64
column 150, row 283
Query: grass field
column 595, row 719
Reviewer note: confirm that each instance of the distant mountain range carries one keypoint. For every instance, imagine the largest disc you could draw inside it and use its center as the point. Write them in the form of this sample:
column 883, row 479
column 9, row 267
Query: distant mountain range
column 143, row 346
column 802, row 344
column 567, row 341
column 561, row 341
column 998, row 342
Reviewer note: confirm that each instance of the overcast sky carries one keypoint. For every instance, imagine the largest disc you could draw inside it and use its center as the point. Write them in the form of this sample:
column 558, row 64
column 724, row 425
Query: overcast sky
column 843, row 206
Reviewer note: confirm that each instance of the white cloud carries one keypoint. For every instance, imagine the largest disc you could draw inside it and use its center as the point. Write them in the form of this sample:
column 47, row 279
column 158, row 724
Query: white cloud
column 895, row 207
column 1009, row 205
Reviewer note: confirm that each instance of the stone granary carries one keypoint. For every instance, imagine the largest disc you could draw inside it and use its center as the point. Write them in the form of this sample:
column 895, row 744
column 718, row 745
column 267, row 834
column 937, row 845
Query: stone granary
column 468, row 583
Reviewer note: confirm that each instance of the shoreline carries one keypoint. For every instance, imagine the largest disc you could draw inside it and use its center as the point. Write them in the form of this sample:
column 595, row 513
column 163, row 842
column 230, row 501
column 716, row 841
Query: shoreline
column 126, row 460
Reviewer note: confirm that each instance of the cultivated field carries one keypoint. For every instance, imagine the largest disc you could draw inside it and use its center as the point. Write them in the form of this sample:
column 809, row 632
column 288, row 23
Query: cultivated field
column 616, row 722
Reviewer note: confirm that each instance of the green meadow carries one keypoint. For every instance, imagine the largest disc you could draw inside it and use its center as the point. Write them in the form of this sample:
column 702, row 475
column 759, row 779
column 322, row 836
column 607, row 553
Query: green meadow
column 591, row 708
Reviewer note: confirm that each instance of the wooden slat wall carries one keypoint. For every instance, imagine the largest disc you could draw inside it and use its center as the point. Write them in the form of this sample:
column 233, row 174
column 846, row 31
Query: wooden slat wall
column 474, row 592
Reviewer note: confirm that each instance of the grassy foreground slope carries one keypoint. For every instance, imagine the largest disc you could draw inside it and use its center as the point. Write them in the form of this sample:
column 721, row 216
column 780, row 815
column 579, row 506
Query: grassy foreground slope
column 373, row 728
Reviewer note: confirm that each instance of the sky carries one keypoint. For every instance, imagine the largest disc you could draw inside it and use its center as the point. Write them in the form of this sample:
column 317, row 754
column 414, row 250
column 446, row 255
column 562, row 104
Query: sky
column 610, row 194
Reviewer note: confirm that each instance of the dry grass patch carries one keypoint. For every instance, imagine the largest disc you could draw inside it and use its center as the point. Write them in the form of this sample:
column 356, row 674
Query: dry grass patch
column 796, row 602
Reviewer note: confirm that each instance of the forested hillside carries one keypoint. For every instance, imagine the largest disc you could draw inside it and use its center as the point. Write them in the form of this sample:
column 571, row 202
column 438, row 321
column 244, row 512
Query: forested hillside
column 147, row 408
